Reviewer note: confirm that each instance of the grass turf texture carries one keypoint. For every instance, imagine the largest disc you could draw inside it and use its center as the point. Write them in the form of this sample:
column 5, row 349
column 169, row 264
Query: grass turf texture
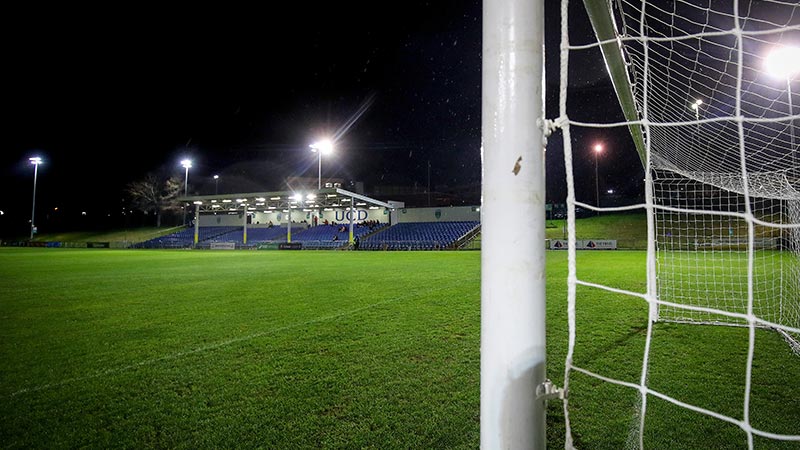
column 210, row 349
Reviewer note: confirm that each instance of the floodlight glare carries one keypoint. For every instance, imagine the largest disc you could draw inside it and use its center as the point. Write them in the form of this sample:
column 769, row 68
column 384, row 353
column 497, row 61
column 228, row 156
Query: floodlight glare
column 35, row 160
column 320, row 147
column 598, row 148
column 323, row 146
column 187, row 163
column 783, row 62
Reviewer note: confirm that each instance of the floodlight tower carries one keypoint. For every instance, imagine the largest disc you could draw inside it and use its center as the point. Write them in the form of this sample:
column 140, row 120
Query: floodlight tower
column 784, row 63
column 216, row 184
column 323, row 146
column 598, row 148
column 35, row 161
column 186, row 163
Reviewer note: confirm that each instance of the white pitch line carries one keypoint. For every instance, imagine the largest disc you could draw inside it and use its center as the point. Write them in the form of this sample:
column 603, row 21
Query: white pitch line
column 215, row 346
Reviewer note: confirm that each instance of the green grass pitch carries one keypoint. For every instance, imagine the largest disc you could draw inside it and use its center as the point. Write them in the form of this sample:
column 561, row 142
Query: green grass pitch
column 206, row 349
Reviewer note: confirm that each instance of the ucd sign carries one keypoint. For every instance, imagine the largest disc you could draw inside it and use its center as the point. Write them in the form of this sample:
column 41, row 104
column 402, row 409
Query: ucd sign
column 344, row 216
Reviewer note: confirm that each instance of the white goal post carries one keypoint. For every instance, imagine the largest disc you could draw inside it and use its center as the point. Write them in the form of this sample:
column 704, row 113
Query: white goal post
column 512, row 415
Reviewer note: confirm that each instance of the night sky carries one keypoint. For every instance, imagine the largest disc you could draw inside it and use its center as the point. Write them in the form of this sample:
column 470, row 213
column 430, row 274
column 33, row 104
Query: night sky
column 107, row 96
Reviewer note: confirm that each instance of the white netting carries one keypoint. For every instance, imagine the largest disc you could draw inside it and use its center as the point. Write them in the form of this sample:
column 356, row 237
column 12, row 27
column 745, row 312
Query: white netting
column 710, row 95
column 693, row 54
column 716, row 133
column 702, row 243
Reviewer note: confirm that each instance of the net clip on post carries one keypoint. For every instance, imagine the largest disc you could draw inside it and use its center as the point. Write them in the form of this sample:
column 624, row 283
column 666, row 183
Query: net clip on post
column 548, row 391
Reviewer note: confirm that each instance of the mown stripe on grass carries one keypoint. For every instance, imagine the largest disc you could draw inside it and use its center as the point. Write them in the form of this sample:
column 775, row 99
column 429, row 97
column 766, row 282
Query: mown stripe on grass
column 228, row 342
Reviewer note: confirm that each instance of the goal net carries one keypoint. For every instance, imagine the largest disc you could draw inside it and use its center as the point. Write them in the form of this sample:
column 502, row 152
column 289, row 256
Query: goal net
column 712, row 102
column 703, row 253
column 717, row 87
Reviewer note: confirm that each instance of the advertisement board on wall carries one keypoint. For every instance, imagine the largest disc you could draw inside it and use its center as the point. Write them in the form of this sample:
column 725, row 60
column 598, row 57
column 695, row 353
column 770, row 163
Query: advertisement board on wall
column 585, row 244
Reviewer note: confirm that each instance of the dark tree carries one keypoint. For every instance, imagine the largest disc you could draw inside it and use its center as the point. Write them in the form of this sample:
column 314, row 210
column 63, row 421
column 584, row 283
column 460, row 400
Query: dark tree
column 155, row 194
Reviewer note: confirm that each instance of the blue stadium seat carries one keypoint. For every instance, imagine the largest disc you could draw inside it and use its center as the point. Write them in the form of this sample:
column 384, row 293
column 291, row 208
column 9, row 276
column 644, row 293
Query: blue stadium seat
column 419, row 236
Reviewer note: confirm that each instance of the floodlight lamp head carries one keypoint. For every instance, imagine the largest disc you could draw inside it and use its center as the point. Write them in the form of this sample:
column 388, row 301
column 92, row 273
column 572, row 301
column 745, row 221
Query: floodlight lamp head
column 783, row 62
column 697, row 104
column 186, row 163
column 323, row 146
column 35, row 160
column 216, row 177
column 598, row 148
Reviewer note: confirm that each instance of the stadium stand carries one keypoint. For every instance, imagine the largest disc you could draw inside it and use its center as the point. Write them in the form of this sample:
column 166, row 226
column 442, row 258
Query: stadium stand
column 255, row 236
column 419, row 236
column 403, row 236
column 332, row 236
column 185, row 238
